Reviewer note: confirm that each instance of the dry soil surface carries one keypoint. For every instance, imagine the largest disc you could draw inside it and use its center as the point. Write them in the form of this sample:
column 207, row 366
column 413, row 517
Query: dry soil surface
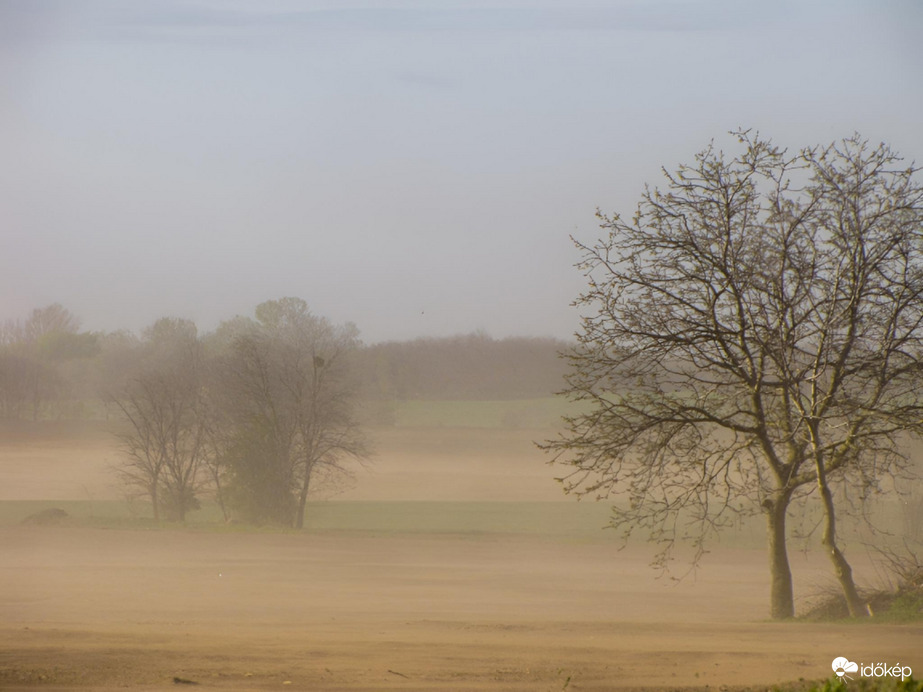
column 109, row 609
column 112, row 608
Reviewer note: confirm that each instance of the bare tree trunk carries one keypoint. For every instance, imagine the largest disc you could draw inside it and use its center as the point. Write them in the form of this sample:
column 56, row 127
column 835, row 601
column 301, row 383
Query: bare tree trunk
column 841, row 567
column 181, row 507
column 303, row 499
column 782, row 599
column 155, row 502
column 219, row 493
column 35, row 395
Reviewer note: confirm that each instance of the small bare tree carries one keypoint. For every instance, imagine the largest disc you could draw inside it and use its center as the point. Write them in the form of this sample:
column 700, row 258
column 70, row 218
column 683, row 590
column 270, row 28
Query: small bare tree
column 164, row 441
column 752, row 336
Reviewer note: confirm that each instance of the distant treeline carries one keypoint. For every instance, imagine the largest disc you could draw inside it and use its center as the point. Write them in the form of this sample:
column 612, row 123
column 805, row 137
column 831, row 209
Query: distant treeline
column 50, row 368
column 472, row 366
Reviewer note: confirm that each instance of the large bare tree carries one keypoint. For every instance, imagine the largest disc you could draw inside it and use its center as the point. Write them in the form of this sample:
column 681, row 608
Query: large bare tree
column 751, row 337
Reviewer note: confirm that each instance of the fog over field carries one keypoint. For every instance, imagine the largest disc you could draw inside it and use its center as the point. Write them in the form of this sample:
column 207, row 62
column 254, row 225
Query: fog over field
column 285, row 288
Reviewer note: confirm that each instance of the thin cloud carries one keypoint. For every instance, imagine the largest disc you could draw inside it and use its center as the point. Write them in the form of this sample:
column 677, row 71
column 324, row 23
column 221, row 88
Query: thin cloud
column 165, row 20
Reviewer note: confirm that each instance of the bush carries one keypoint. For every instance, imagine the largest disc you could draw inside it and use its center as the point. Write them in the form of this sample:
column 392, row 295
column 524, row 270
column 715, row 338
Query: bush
column 899, row 600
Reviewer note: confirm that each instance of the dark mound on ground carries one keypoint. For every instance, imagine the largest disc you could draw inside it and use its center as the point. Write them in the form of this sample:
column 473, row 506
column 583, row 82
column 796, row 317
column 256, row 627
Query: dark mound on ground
column 47, row 517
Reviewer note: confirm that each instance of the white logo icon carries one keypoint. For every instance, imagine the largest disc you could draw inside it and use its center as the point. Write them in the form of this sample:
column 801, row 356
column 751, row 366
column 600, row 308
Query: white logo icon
column 841, row 666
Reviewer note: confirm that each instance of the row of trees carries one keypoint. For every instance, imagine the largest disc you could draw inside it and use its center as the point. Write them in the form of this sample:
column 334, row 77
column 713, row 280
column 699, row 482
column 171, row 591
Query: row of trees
column 40, row 360
column 752, row 341
column 49, row 368
column 261, row 411
column 471, row 366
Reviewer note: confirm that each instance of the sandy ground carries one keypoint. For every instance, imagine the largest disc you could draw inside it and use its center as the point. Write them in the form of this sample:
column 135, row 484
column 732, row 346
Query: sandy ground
column 110, row 609
column 350, row 612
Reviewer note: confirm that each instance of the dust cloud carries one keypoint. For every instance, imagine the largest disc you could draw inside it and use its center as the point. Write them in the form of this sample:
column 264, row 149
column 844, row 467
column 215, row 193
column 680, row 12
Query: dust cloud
column 103, row 603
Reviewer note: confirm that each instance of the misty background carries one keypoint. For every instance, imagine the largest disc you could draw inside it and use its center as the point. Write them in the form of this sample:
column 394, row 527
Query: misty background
column 415, row 168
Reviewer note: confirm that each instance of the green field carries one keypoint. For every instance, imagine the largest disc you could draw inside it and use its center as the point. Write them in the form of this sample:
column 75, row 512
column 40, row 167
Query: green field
column 554, row 521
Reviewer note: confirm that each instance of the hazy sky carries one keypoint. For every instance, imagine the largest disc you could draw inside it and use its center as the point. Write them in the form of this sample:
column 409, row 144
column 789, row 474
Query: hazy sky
column 413, row 167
